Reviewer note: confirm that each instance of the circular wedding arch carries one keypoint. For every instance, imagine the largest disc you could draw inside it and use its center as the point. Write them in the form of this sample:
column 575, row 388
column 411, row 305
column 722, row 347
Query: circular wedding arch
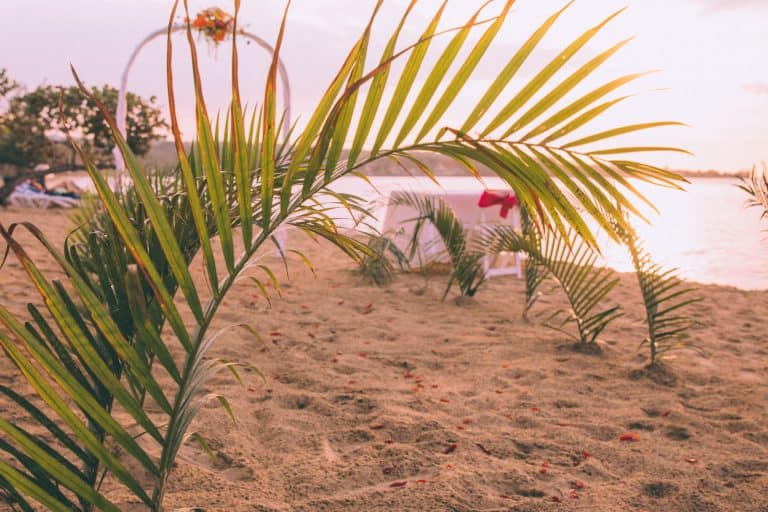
column 122, row 104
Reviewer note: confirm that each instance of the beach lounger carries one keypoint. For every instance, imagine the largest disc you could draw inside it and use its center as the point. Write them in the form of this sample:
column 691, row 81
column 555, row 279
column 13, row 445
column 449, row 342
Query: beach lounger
column 25, row 198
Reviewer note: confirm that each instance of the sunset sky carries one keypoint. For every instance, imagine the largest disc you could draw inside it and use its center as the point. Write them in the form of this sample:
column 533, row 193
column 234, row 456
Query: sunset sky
column 711, row 55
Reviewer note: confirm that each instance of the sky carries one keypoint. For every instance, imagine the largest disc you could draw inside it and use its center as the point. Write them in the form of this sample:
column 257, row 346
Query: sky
column 710, row 56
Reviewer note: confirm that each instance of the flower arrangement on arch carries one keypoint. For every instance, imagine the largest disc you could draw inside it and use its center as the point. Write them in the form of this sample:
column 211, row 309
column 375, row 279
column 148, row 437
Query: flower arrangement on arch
column 214, row 23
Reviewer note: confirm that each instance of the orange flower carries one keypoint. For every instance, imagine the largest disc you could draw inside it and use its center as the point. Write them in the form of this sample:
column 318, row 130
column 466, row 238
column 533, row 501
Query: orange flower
column 214, row 23
column 200, row 22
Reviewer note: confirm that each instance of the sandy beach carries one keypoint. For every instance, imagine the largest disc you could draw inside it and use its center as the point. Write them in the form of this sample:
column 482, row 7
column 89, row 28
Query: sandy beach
column 387, row 399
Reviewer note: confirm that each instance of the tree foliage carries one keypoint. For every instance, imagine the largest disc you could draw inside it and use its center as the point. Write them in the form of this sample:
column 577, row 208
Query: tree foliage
column 32, row 129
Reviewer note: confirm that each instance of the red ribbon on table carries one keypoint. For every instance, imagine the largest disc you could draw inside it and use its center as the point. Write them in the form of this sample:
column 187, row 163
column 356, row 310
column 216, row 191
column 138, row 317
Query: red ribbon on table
column 507, row 200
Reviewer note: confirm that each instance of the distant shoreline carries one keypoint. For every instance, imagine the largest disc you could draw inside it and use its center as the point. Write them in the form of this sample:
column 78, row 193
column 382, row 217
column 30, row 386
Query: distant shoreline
column 163, row 156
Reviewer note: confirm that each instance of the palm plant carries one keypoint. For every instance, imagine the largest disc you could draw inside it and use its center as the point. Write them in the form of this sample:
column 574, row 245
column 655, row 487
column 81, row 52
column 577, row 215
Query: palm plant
column 664, row 296
column 466, row 264
column 535, row 274
column 756, row 186
column 502, row 239
column 96, row 345
column 378, row 267
column 573, row 264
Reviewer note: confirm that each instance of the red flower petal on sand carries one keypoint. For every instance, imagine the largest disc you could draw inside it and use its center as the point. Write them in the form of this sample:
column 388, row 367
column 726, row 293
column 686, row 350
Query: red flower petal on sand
column 422, row 481
column 630, row 437
column 579, row 485
column 586, row 455
column 665, row 414
column 535, row 409
column 555, row 499
column 399, row 484
column 445, row 400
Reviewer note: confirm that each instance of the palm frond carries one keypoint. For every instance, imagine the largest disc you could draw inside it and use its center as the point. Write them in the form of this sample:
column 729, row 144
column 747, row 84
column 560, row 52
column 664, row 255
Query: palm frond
column 756, row 187
column 466, row 264
column 384, row 260
column 506, row 239
column 573, row 265
column 665, row 296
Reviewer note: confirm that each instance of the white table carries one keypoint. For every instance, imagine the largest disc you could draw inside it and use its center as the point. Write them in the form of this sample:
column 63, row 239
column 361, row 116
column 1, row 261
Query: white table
column 399, row 224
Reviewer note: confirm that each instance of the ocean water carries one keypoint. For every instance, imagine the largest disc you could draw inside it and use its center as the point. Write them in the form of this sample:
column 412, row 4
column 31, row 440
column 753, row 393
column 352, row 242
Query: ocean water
column 706, row 232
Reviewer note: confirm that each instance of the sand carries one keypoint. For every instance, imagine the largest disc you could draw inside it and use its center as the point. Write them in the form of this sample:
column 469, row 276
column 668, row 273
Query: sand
column 389, row 399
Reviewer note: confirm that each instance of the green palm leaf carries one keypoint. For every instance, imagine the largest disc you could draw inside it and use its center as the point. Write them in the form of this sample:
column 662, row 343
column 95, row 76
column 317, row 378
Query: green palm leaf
column 466, row 265
column 573, row 265
column 506, row 239
column 664, row 296
column 756, row 187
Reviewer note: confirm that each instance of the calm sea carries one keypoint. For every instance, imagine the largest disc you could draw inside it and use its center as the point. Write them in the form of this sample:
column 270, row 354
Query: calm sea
column 706, row 232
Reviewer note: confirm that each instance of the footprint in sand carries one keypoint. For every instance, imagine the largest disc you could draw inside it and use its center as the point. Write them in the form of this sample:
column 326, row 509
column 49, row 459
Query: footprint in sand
column 659, row 489
column 678, row 434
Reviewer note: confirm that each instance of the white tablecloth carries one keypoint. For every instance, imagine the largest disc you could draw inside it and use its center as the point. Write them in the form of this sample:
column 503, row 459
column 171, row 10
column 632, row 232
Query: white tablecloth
column 399, row 223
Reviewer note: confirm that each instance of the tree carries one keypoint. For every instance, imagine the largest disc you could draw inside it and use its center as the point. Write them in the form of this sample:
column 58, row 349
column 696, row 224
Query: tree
column 7, row 84
column 32, row 130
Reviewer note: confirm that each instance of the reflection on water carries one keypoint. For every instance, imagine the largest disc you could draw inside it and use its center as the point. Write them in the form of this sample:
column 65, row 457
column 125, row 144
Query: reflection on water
column 706, row 232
